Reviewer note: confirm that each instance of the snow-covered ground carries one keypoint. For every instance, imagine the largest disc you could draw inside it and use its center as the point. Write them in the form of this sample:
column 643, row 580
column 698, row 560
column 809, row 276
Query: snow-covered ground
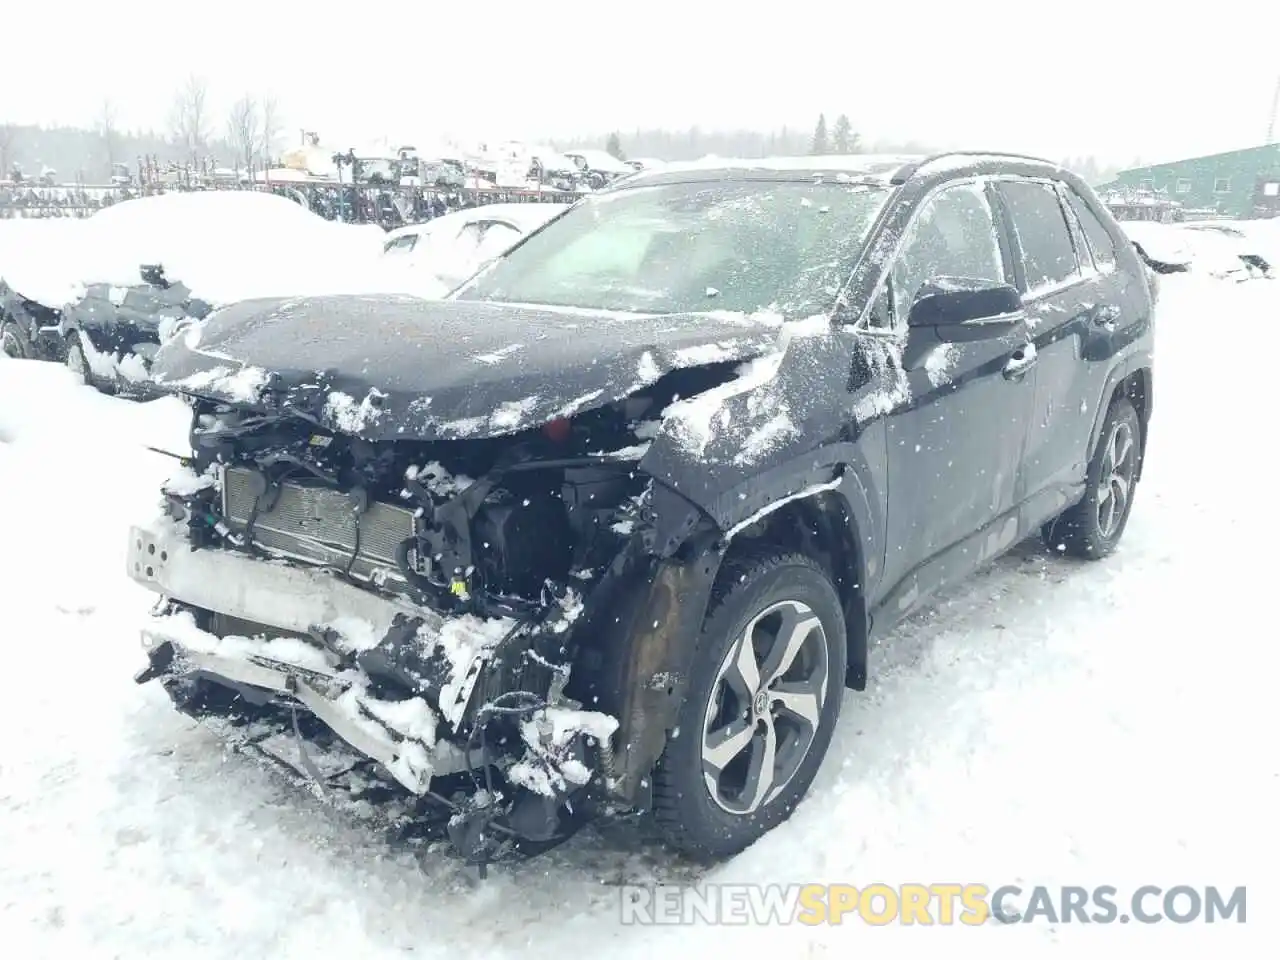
column 1048, row 722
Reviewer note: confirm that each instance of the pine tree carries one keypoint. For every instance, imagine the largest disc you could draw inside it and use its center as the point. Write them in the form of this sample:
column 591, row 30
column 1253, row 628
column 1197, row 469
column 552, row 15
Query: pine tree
column 820, row 136
column 614, row 147
column 842, row 135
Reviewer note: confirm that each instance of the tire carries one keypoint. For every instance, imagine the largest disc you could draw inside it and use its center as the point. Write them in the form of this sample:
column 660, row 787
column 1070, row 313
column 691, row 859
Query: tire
column 13, row 341
column 1093, row 527
column 76, row 361
column 709, row 815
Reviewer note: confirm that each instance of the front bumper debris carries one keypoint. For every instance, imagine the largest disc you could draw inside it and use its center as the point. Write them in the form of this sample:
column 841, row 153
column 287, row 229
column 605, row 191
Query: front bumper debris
column 397, row 734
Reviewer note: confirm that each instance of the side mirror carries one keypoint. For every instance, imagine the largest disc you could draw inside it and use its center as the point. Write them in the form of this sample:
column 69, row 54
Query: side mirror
column 945, row 302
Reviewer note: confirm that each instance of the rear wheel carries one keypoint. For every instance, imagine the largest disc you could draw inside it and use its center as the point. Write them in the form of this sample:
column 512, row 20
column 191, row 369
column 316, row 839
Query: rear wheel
column 764, row 695
column 1093, row 527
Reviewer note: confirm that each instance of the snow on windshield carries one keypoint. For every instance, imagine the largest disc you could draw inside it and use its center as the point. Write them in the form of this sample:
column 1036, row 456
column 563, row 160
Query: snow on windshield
column 693, row 247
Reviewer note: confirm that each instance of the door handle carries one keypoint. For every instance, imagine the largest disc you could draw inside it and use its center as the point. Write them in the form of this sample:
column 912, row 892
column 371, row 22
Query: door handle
column 1023, row 359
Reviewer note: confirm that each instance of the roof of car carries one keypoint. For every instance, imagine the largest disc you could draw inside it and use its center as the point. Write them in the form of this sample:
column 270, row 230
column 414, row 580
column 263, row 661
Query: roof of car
column 861, row 167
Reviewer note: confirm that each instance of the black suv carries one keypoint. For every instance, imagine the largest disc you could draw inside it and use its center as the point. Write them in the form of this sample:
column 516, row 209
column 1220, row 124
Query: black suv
column 611, row 527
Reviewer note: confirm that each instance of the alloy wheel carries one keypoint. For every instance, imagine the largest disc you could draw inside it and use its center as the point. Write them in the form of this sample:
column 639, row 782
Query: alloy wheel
column 1115, row 482
column 765, row 707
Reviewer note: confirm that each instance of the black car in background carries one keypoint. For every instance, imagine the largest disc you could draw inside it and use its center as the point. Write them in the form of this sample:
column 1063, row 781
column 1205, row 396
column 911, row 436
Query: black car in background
column 614, row 526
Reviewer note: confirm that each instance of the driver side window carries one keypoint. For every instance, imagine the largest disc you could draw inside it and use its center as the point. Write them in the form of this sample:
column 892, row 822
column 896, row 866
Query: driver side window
column 952, row 235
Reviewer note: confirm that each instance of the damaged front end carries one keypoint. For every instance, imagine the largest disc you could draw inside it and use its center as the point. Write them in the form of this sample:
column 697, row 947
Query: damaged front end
column 500, row 624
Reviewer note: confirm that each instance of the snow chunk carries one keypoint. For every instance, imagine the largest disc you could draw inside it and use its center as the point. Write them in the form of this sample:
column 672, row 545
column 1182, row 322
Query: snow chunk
column 509, row 416
column 549, row 764
column 412, row 718
column 778, row 505
column 647, row 369
column 241, row 385
column 692, row 420
column 939, row 362
column 766, row 437
column 704, row 354
column 347, row 416
column 573, row 406
column 287, row 650
column 498, row 356
column 462, row 641
column 185, row 482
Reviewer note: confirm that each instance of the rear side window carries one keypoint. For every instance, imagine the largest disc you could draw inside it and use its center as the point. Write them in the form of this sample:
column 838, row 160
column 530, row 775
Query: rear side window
column 1101, row 245
column 1048, row 255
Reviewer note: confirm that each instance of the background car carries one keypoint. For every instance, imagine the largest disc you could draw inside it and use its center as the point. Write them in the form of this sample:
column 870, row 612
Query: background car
column 453, row 247
column 102, row 293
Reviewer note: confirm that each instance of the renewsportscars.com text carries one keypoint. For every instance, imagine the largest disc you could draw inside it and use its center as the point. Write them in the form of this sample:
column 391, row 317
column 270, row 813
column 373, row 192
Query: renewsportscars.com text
column 928, row 904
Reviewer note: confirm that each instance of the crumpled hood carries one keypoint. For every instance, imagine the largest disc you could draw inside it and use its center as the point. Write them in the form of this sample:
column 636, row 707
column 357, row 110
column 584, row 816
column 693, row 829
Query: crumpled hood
column 398, row 367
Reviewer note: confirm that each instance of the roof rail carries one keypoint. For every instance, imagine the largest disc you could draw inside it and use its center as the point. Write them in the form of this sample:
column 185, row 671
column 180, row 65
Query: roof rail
column 909, row 170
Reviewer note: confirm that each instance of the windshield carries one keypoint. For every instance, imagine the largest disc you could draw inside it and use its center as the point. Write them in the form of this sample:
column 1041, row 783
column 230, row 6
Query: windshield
column 692, row 247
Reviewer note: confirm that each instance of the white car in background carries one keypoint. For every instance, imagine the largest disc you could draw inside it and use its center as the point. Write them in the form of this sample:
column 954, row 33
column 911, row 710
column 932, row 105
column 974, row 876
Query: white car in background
column 451, row 248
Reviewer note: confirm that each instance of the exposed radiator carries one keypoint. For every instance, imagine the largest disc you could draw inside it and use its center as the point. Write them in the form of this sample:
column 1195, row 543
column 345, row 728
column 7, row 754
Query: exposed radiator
column 318, row 525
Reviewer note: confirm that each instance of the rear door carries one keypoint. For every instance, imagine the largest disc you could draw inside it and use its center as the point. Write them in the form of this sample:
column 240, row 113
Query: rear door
column 1065, row 294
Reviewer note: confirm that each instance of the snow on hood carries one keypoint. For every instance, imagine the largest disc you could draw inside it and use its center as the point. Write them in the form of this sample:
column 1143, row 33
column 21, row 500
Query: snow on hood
column 386, row 367
column 223, row 245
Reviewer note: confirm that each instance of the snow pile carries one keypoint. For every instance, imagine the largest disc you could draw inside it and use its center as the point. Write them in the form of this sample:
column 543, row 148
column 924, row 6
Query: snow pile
column 223, row 245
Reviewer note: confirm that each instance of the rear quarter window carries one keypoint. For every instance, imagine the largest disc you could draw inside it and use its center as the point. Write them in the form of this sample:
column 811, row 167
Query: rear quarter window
column 1101, row 245
column 1044, row 239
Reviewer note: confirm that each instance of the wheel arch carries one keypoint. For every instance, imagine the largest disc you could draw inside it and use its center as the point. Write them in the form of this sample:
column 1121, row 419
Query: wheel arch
column 1134, row 382
column 822, row 526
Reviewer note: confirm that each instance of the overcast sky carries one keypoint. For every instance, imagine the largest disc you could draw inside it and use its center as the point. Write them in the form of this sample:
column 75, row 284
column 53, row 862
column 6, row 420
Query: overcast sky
column 1115, row 79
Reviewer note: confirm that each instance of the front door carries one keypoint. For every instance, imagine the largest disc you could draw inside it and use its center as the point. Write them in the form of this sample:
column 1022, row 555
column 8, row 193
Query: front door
column 955, row 448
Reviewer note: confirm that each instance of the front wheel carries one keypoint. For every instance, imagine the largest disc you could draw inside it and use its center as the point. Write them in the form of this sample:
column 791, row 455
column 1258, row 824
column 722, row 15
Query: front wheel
column 1093, row 527
column 76, row 360
column 763, row 698
column 13, row 341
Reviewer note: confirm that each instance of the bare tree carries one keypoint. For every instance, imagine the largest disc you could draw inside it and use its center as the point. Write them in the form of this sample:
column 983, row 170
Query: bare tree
column 243, row 130
column 189, row 115
column 269, row 114
column 8, row 140
column 107, row 131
